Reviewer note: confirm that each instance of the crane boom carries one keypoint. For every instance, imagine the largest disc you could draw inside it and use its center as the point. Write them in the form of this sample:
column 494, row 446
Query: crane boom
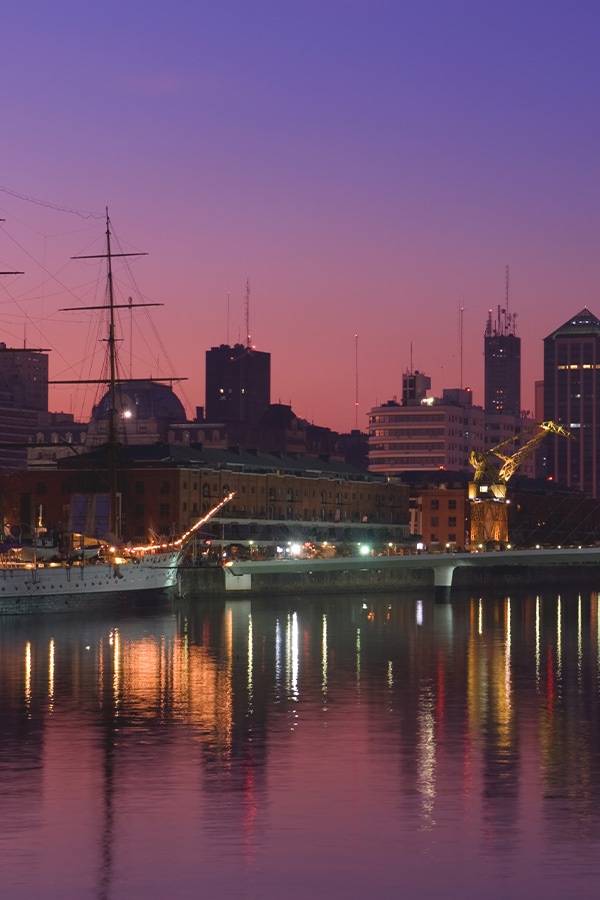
column 486, row 470
column 487, row 491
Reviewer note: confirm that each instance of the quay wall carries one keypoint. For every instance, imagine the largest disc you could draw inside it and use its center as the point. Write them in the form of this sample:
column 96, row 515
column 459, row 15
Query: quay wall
column 372, row 578
column 212, row 581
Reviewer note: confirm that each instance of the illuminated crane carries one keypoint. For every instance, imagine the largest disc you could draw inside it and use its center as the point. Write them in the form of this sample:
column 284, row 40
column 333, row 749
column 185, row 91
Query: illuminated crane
column 487, row 491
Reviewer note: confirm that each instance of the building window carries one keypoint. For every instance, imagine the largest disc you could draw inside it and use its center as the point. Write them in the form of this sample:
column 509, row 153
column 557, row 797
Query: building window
column 165, row 487
column 435, row 504
column 451, row 504
column 451, row 521
column 435, row 521
column 164, row 509
column 139, row 487
column 139, row 509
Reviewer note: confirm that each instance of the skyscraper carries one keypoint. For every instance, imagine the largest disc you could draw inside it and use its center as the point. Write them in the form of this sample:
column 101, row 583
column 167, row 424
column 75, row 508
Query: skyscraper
column 502, row 349
column 238, row 384
column 24, row 374
column 571, row 398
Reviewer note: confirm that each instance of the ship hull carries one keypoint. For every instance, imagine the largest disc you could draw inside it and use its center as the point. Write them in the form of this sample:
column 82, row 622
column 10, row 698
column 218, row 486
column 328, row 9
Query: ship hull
column 81, row 587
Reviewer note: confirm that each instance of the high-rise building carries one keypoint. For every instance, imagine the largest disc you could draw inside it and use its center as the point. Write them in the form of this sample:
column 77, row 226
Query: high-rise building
column 23, row 397
column 502, row 352
column 426, row 434
column 238, row 384
column 571, row 399
column 24, row 375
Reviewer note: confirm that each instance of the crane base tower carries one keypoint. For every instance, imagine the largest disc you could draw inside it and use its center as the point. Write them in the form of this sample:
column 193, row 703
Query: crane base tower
column 489, row 524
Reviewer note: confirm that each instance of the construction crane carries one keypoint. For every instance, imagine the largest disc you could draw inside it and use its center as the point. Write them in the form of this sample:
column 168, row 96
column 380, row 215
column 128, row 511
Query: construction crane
column 487, row 491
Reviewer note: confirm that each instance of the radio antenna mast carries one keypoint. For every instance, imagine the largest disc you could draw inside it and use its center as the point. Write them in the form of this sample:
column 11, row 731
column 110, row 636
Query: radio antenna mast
column 248, row 338
column 461, row 310
column 356, row 381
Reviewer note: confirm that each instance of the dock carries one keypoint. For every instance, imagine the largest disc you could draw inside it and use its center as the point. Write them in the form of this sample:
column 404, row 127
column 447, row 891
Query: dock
column 441, row 571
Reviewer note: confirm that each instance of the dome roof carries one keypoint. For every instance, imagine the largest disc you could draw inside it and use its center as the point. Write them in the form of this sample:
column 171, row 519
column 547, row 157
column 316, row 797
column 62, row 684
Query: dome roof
column 142, row 400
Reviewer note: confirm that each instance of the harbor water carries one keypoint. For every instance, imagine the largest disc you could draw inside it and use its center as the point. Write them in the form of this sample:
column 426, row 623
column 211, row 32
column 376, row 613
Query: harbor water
column 325, row 746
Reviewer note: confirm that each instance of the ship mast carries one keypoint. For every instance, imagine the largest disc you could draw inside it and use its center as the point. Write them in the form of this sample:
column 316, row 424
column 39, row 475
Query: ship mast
column 114, row 523
column 113, row 380
column 112, row 414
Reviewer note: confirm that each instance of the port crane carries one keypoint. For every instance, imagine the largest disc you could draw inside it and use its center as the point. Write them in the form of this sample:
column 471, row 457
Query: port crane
column 487, row 490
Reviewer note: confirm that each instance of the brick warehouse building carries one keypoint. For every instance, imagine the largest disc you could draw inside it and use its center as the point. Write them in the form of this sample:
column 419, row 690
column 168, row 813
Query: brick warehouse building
column 164, row 488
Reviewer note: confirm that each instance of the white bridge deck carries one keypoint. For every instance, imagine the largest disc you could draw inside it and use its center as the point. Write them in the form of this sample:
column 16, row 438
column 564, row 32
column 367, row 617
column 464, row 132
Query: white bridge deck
column 238, row 575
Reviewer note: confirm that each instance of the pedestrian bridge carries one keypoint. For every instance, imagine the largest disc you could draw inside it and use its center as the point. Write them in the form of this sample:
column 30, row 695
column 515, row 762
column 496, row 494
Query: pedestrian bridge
column 238, row 575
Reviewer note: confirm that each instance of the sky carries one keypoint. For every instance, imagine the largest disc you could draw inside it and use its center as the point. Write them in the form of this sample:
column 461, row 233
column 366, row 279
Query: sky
column 370, row 167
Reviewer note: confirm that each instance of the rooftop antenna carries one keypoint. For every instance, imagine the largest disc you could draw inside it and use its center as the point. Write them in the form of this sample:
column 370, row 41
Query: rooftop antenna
column 461, row 311
column 228, row 298
column 356, row 381
column 248, row 338
column 411, row 360
column 130, row 302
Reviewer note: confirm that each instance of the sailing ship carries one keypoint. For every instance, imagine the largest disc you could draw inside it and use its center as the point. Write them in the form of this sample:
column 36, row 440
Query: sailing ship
column 40, row 579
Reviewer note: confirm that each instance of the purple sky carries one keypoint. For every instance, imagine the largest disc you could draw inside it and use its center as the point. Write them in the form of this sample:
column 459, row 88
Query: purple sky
column 369, row 165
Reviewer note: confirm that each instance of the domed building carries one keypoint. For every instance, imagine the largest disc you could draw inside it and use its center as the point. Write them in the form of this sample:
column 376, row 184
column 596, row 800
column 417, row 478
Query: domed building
column 145, row 410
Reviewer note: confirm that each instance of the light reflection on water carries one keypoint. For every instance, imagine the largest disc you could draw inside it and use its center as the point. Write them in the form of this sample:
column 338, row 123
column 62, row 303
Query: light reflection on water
column 318, row 747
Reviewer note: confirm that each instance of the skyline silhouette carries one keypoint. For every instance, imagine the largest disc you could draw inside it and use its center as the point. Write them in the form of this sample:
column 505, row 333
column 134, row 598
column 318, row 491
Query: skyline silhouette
column 370, row 167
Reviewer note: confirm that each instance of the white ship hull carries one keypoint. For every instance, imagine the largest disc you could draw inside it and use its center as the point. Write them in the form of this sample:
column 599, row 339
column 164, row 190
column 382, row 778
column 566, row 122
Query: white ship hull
column 54, row 588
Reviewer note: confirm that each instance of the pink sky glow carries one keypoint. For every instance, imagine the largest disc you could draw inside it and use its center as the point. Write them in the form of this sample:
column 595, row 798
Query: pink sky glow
column 370, row 166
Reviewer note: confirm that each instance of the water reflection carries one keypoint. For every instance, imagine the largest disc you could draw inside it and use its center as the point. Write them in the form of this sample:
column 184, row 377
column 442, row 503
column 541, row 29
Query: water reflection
column 249, row 744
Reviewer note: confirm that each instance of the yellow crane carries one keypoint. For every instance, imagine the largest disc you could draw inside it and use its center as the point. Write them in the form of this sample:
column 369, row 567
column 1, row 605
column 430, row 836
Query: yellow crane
column 487, row 491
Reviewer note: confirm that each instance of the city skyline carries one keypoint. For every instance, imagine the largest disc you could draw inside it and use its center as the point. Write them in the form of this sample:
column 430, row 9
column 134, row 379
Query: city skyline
column 370, row 168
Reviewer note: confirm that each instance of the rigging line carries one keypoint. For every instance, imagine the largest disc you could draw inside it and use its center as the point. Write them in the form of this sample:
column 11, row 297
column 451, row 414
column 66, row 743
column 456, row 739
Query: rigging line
column 148, row 317
column 141, row 296
column 11, row 217
column 83, row 214
column 540, row 508
column 50, row 275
